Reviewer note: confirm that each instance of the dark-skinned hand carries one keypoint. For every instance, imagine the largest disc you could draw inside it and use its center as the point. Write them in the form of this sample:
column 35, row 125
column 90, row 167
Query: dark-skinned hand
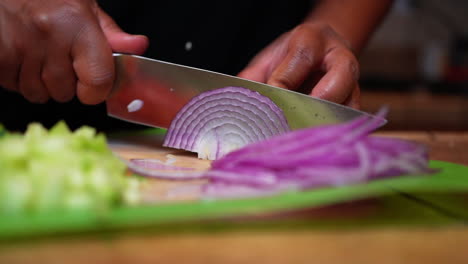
column 311, row 57
column 60, row 48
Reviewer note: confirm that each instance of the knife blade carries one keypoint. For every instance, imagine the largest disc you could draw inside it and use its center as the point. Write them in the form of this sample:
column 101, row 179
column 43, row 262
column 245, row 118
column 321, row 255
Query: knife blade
column 160, row 89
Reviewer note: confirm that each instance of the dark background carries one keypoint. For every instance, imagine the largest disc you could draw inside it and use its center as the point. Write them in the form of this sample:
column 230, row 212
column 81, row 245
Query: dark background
column 417, row 62
column 225, row 35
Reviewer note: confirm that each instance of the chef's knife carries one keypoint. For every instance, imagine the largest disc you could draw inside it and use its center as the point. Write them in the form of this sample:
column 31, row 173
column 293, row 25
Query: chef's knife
column 151, row 92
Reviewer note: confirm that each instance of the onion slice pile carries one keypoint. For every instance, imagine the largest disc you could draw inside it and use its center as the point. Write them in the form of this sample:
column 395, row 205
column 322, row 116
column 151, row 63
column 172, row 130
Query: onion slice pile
column 219, row 121
column 329, row 155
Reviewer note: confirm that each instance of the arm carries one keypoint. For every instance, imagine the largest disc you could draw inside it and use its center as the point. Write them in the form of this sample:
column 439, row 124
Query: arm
column 354, row 20
column 319, row 55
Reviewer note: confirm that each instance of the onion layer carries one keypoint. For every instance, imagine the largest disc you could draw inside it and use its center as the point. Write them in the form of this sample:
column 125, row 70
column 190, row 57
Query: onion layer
column 157, row 169
column 330, row 155
column 219, row 121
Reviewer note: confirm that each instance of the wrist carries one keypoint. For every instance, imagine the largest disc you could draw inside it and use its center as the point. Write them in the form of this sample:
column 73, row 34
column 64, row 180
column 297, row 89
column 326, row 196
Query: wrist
column 353, row 20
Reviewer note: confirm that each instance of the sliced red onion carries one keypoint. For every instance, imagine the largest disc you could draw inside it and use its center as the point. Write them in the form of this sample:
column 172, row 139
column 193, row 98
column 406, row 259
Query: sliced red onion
column 217, row 122
column 330, row 155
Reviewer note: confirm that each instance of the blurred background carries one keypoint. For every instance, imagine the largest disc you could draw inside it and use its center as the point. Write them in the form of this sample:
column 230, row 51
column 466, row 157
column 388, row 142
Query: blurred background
column 417, row 63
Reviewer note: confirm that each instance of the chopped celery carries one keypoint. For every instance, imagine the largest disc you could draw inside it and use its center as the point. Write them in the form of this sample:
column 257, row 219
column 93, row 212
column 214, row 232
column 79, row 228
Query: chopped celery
column 59, row 170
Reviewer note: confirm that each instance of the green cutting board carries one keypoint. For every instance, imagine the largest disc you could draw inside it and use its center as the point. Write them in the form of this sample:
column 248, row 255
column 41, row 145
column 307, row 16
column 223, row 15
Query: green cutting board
column 391, row 208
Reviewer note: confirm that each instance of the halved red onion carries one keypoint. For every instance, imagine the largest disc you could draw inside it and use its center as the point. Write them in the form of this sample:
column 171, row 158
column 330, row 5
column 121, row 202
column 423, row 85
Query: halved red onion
column 219, row 121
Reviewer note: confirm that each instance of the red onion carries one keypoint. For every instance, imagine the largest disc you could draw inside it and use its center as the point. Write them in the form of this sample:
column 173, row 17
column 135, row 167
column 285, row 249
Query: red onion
column 219, row 121
column 322, row 156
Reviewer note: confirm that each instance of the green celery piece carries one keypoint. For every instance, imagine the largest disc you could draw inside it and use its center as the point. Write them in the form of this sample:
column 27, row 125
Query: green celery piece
column 14, row 193
column 59, row 170
column 35, row 131
column 60, row 129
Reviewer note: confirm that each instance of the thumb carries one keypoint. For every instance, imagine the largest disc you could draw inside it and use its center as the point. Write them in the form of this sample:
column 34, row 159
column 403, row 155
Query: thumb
column 118, row 39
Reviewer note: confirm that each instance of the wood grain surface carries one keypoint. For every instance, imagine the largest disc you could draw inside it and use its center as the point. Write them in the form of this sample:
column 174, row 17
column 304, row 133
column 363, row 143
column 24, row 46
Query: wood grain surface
column 387, row 246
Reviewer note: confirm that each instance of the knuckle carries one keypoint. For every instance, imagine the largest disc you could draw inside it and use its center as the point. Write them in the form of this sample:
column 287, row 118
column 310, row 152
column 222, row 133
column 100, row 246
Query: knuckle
column 63, row 96
column 352, row 64
column 65, row 16
column 324, row 29
column 322, row 33
column 58, row 85
column 35, row 96
column 302, row 28
column 304, row 53
column 56, row 70
column 283, row 81
column 49, row 75
column 73, row 11
column 43, row 21
column 307, row 44
column 346, row 60
column 314, row 28
column 100, row 77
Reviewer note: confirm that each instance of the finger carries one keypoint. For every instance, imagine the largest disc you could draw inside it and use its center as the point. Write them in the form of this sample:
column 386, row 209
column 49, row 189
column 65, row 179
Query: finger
column 9, row 69
column 9, row 59
column 58, row 75
column 256, row 72
column 263, row 64
column 93, row 64
column 118, row 39
column 341, row 76
column 303, row 57
column 354, row 100
column 30, row 82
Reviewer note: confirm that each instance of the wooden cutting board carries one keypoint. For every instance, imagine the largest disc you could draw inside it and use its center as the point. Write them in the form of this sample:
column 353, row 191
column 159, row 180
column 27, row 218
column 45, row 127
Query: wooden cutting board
column 150, row 147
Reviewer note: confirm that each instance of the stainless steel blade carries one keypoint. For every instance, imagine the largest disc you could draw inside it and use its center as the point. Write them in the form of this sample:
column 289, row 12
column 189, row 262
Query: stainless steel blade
column 164, row 88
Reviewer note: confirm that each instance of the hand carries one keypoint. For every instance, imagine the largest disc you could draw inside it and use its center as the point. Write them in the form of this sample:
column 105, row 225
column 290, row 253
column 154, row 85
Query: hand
column 60, row 48
column 310, row 57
